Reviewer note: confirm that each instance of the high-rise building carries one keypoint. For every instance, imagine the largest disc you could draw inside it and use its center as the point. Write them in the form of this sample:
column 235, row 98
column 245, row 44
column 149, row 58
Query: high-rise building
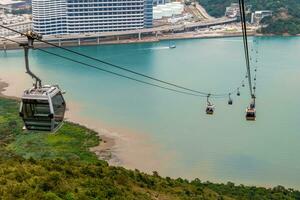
column 160, row 2
column 87, row 16
column 148, row 13
column 49, row 16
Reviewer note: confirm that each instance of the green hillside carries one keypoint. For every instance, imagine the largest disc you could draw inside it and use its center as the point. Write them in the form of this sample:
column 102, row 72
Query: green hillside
column 286, row 17
column 60, row 166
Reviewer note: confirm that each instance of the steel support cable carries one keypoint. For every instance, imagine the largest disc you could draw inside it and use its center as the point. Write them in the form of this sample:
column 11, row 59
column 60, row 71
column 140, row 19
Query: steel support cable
column 256, row 67
column 123, row 68
column 245, row 40
column 110, row 72
column 113, row 65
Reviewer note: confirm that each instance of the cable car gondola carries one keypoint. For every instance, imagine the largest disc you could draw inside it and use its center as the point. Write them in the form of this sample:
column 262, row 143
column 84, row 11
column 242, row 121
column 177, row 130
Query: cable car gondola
column 238, row 93
column 250, row 111
column 43, row 108
column 230, row 102
column 250, row 114
column 210, row 108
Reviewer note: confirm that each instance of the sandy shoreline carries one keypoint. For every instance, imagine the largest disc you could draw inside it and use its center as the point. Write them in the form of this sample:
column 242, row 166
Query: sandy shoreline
column 3, row 85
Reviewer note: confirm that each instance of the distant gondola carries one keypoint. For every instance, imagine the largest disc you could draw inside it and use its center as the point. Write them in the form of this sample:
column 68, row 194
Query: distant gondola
column 230, row 102
column 210, row 108
column 250, row 114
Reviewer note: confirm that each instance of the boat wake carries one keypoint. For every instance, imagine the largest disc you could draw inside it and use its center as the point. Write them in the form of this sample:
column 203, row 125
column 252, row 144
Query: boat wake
column 158, row 48
column 134, row 52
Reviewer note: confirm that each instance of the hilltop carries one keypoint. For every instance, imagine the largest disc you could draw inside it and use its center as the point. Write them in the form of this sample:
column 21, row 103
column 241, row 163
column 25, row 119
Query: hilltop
column 36, row 165
column 286, row 18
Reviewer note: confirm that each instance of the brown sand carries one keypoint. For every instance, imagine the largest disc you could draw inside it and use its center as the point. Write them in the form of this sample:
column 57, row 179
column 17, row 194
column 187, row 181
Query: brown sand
column 125, row 147
column 3, row 86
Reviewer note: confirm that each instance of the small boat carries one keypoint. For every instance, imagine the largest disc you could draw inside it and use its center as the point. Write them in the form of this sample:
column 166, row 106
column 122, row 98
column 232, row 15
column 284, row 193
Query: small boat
column 173, row 46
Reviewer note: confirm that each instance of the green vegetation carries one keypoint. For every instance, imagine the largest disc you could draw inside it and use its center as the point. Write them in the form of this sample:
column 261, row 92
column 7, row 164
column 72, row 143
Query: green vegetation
column 60, row 166
column 286, row 19
column 70, row 142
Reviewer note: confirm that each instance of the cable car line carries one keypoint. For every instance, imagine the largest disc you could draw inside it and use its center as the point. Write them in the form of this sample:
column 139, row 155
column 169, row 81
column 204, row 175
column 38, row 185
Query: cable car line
column 124, row 76
column 117, row 66
column 117, row 74
column 210, row 106
column 254, row 50
column 120, row 75
column 256, row 64
column 245, row 40
column 114, row 73
column 202, row 94
column 250, row 111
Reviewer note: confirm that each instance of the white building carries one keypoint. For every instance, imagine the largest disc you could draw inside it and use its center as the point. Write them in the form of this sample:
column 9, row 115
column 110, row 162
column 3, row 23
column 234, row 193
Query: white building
column 86, row 16
column 257, row 16
column 233, row 10
column 158, row 2
column 10, row 5
column 21, row 23
column 49, row 16
column 167, row 10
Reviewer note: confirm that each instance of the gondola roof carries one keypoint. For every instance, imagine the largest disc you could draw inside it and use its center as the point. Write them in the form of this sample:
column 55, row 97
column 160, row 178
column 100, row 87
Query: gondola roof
column 41, row 93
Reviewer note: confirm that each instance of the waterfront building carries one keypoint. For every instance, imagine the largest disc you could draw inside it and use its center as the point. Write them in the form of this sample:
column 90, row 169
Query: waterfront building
column 51, row 17
column 257, row 16
column 10, row 5
column 167, row 10
column 160, row 2
column 232, row 11
column 21, row 23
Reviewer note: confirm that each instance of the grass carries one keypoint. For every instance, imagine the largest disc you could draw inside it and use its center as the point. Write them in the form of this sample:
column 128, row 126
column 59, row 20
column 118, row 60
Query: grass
column 71, row 141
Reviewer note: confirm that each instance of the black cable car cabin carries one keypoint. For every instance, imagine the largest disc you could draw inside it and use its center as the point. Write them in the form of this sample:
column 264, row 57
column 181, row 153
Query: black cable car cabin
column 210, row 109
column 43, row 108
column 250, row 114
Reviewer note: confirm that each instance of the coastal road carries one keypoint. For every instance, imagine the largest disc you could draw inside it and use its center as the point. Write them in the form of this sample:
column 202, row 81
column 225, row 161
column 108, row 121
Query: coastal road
column 138, row 32
column 168, row 28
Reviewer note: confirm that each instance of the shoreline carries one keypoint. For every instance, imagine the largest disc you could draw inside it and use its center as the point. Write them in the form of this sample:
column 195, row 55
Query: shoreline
column 120, row 147
column 147, row 39
column 103, row 151
column 3, row 86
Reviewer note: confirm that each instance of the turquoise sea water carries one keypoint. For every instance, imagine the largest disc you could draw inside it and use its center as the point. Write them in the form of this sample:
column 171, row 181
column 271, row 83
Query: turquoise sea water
column 223, row 147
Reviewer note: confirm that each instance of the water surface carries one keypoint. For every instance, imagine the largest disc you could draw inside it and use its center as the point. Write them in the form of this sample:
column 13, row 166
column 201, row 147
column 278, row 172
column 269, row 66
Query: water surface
column 223, row 147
